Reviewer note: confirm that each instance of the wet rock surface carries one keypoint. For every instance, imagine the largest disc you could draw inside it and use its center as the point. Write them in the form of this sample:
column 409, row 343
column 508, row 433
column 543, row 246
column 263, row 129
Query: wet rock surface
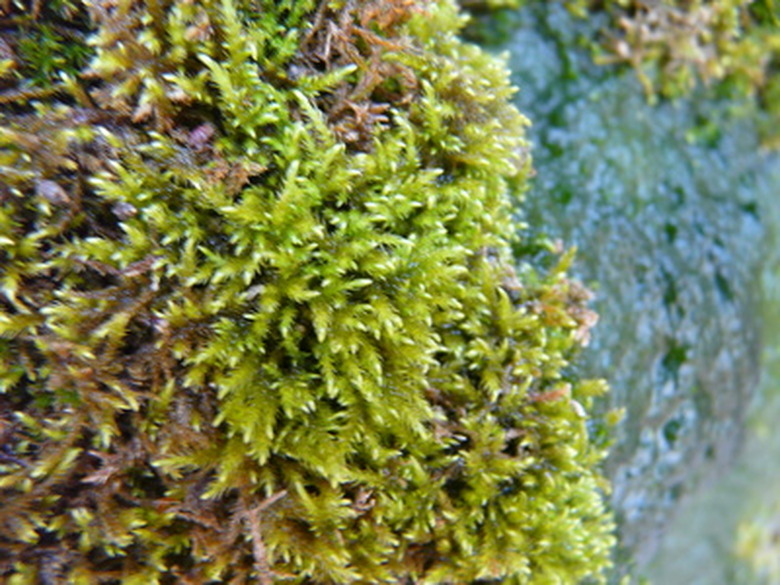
column 663, row 203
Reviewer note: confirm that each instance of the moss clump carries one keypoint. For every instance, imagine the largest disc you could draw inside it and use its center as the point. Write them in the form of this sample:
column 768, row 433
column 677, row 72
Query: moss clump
column 259, row 318
column 39, row 43
column 734, row 40
column 675, row 44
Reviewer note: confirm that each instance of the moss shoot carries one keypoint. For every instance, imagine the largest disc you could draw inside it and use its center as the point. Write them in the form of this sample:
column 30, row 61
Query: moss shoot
column 260, row 321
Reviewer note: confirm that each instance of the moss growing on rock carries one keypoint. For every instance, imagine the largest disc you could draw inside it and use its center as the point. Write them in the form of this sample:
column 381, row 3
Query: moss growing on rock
column 675, row 45
column 259, row 319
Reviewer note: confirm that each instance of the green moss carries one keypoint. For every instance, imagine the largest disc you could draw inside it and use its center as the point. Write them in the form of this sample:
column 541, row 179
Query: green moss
column 44, row 42
column 259, row 317
column 675, row 45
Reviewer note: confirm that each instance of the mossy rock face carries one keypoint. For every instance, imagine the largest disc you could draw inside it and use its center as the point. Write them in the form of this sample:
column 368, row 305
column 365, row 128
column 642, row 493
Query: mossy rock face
column 260, row 320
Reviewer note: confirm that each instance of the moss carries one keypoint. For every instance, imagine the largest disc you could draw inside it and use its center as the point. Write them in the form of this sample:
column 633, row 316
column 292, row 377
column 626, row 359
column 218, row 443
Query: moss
column 40, row 43
column 675, row 45
column 260, row 321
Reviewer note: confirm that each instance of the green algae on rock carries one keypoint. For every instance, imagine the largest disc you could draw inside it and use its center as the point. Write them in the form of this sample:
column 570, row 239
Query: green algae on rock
column 260, row 321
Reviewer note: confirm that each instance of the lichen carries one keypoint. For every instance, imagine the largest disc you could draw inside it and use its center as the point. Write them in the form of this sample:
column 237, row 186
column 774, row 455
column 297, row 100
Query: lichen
column 260, row 320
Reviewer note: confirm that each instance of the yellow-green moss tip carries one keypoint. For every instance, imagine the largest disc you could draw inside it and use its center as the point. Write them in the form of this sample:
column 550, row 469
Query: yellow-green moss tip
column 259, row 319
